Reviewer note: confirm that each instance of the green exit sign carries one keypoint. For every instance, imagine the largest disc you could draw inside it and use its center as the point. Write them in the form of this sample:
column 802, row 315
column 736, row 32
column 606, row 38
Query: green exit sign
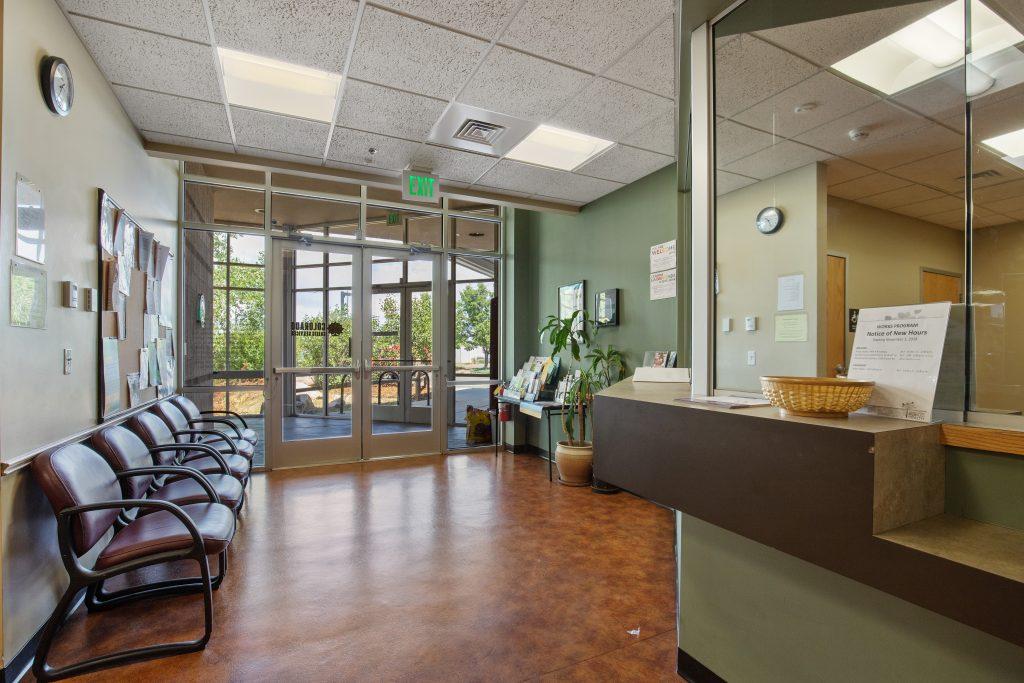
column 421, row 187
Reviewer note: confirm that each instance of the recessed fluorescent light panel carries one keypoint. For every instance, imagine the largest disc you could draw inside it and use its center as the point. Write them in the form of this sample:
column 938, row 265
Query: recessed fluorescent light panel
column 1010, row 145
column 930, row 47
column 558, row 148
column 271, row 85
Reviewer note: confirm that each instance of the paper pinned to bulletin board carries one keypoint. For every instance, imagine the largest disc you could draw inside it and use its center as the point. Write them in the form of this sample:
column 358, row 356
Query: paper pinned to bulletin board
column 136, row 313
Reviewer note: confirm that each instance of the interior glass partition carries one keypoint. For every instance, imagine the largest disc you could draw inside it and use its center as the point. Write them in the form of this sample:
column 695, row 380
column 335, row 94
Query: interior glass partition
column 886, row 141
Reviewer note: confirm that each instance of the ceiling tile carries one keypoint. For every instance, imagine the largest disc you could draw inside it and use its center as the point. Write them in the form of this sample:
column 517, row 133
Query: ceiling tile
column 651, row 64
column 453, row 164
column 826, row 41
column 377, row 109
column 480, row 17
column 830, row 96
column 166, row 139
column 625, row 164
column 178, row 18
column 352, row 147
column 998, row 117
column 611, row 110
column 938, row 98
column 1011, row 206
column 923, row 142
column 408, row 54
column 726, row 182
column 779, row 158
column 748, row 70
column 518, row 177
column 657, row 135
column 881, row 121
column 994, row 193
column 540, row 87
column 904, row 195
column 279, row 133
column 280, row 156
column 313, row 33
column 174, row 115
column 141, row 59
column 946, row 171
column 867, row 186
column 930, row 206
column 989, row 221
column 586, row 34
column 734, row 141
column 839, row 170
column 576, row 188
column 498, row 190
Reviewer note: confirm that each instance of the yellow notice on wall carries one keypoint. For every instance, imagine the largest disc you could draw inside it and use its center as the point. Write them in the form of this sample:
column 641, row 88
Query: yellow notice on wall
column 791, row 327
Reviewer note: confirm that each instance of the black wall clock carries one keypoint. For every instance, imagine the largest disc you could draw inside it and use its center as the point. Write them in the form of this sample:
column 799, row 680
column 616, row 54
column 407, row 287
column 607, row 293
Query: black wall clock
column 769, row 220
column 58, row 87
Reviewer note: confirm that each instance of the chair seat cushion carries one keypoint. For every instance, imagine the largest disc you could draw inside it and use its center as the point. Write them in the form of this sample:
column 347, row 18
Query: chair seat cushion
column 187, row 491
column 250, row 436
column 162, row 532
column 238, row 466
column 244, row 448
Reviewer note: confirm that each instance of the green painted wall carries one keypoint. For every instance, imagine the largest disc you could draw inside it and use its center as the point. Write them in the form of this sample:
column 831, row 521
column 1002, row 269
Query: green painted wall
column 608, row 245
column 985, row 486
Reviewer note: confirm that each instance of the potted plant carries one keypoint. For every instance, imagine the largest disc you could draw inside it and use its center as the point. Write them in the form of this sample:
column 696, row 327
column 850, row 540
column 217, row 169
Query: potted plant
column 574, row 456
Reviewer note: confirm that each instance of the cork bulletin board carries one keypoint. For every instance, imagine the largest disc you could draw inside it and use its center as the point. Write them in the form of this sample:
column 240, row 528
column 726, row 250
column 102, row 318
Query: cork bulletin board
column 136, row 342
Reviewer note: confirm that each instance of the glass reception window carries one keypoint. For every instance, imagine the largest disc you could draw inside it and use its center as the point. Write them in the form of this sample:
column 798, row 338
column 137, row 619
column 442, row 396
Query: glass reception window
column 855, row 128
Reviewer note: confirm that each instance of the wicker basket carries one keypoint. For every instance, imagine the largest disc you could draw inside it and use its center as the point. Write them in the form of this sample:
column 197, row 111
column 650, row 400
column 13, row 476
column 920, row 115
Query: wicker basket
column 816, row 396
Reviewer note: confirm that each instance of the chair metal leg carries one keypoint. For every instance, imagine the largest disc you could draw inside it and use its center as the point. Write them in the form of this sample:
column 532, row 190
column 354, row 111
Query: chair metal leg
column 97, row 600
column 43, row 672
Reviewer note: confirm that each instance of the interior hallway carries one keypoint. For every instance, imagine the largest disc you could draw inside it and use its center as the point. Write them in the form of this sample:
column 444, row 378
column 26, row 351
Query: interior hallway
column 465, row 568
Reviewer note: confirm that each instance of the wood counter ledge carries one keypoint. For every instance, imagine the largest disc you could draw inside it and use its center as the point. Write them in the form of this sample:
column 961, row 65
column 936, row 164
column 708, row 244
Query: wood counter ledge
column 861, row 496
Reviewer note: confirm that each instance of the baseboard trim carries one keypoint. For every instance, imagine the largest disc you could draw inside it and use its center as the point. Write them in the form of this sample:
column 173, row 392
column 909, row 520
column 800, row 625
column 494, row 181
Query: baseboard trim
column 693, row 671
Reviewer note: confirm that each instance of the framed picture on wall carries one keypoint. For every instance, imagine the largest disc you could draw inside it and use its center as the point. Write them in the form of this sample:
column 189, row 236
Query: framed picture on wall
column 606, row 308
column 570, row 299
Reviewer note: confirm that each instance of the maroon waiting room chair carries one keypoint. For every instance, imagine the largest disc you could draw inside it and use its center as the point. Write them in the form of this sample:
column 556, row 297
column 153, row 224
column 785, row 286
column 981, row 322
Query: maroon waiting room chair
column 197, row 417
column 183, row 430
column 87, row 500
column 154, row 432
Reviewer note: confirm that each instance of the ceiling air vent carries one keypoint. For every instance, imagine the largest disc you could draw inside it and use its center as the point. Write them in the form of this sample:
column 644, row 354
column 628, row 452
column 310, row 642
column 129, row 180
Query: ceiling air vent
column 982, row 174
column 481, row 132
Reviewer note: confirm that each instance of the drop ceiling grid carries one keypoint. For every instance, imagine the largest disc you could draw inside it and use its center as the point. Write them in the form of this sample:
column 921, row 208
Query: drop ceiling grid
column 743, row 119
column 195, row 23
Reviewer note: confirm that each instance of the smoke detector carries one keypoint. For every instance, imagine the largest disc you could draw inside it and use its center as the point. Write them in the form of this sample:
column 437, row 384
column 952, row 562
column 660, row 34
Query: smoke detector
column 858, row 134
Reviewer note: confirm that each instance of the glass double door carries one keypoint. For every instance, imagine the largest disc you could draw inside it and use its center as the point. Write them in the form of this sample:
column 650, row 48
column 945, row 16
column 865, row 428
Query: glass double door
column 354, row 333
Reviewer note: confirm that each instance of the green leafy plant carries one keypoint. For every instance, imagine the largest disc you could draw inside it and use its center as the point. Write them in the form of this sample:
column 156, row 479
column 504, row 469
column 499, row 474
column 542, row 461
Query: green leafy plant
column 603, row 367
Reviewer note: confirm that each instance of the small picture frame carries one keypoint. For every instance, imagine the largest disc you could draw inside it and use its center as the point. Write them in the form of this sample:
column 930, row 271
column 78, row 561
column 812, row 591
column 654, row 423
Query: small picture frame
column 606, row 308
column 570, row 299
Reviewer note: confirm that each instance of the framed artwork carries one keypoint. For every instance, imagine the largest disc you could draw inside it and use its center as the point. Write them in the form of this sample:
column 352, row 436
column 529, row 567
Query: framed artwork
column 606, row 308
column 570, row 299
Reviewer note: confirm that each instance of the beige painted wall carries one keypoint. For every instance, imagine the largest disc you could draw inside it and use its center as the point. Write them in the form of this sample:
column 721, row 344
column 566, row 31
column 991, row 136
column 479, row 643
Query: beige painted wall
column 752, row 613
column 886, row 252
column 96, row 146
column 999, row 317
column 749, row 265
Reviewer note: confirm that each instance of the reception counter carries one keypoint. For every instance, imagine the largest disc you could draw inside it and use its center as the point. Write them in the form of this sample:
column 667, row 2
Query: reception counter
column 862, row 497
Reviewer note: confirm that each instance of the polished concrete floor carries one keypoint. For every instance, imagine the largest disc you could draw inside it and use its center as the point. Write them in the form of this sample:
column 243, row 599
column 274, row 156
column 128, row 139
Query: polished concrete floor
column 465, row 568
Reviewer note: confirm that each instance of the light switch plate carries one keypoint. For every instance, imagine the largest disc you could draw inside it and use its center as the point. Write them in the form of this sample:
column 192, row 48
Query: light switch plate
column 751, row 357
column 726, row 324
column 750, row 323
column 67, row 361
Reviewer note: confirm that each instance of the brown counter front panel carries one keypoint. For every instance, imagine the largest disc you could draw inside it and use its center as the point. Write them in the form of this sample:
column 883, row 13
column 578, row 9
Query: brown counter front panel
column 805, row 489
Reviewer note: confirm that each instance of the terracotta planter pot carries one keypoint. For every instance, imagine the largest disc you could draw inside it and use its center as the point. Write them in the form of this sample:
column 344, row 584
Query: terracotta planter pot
column 575, row 463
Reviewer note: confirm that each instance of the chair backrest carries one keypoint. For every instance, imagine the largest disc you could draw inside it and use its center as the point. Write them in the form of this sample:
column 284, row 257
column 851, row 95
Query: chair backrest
column 187, row 406
column 77, row 475
column 124, row 450
column 172, row 417
column 153, row 432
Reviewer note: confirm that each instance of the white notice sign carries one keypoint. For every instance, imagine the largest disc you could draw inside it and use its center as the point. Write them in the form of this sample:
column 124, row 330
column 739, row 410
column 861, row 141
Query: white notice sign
column 791, row 293
column 900, row 348
column 663, row 285
column 663, row 256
